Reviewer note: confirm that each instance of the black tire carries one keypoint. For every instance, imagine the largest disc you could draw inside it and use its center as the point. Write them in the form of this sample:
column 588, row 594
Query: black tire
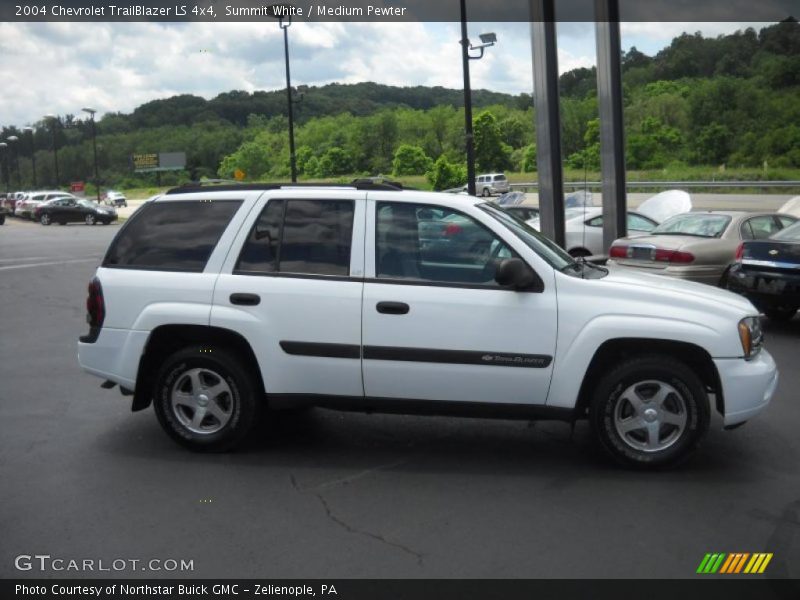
column 45, row 219
column 781, row 314
column 90, row 220
column 243, row 399
column 486, row 193
column 2, row 219
column 637, row 374
column 62, row 222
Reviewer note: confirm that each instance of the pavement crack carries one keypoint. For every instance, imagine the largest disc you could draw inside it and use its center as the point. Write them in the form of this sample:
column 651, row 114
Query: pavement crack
column 375, row 536
column 350, row 528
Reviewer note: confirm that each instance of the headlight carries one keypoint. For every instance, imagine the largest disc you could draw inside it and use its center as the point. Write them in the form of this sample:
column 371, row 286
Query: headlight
column 751, row 336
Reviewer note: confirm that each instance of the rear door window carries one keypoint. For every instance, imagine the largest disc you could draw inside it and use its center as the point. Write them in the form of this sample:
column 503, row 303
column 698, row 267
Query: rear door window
column 171, row 236
column 311, row 237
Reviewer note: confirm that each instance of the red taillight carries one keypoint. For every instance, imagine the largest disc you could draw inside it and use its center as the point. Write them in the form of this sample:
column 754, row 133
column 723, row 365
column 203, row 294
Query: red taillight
column 673, row 256
column 95, row 305
column 740, row 252
column 618, row 252
column 451, row 230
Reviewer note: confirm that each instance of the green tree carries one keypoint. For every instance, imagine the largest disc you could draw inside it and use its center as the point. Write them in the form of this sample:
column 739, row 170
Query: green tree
column 712, row 145
column 335, row 162
column 302, row 155
column 445, row 175
column 491, row 153
column 529, row 164
column 410, row 160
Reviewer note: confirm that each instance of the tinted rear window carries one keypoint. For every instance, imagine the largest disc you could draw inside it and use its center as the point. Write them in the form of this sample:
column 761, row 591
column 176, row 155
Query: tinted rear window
column 301, row 236
column 171, row 236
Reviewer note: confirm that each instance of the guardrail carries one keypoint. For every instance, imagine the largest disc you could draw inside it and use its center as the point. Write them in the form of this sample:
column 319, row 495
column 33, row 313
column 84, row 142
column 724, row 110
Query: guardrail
column 524, row 187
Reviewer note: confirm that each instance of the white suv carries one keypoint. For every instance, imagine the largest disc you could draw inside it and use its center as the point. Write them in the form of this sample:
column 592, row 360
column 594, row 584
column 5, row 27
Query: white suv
column 215, row 303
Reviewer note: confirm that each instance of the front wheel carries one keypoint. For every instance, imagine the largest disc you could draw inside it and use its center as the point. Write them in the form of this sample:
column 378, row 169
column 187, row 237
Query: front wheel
column 206, row 399
column 650, row 411
column 90, row 220
column 486, row 193
column 45, row 219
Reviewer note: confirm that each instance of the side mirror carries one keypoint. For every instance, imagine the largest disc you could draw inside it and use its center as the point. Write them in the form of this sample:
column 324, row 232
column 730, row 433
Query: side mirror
column 513, row 272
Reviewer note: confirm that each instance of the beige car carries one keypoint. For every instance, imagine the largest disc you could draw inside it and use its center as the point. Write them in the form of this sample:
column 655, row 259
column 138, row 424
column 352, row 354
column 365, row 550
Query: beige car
column 699, row 246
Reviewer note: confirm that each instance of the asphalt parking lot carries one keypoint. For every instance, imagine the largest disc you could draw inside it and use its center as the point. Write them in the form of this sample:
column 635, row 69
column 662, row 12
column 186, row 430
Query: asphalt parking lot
column 326, row 494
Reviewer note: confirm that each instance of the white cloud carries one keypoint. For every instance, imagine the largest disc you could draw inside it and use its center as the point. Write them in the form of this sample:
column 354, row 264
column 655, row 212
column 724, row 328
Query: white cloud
column 61, row 67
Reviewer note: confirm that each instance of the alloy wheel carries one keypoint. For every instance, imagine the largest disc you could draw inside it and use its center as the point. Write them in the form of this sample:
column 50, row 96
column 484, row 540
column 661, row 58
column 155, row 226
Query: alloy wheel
column 202, row 401
column 650, row 415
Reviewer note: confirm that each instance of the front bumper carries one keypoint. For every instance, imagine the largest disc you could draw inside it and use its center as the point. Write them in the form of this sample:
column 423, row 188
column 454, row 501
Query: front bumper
column 747, row 385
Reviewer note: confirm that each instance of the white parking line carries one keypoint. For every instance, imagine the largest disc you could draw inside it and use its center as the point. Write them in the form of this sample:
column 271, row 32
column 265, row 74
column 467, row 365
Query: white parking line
column 2, row 260
column 46, row 264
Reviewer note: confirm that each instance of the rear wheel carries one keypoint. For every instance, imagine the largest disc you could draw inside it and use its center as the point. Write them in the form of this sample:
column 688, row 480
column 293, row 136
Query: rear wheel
column 90, row 220
column 650, row 411
column 205, row 399
column 486, row 193
column 45, row 219
column 782, row 314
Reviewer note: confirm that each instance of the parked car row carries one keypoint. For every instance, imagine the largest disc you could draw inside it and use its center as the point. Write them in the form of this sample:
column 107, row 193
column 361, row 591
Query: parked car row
column 54, row 206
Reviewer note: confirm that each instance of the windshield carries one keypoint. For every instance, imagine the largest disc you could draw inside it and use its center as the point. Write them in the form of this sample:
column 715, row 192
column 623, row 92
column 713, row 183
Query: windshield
column 790, row 234
column 537, row 242
column 699, row 224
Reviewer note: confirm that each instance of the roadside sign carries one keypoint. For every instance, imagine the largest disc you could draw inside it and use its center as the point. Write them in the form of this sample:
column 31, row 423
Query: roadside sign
column 77, row 186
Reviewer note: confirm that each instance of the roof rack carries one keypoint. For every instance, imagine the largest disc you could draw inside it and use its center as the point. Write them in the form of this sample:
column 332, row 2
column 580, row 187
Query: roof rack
column 363, row 184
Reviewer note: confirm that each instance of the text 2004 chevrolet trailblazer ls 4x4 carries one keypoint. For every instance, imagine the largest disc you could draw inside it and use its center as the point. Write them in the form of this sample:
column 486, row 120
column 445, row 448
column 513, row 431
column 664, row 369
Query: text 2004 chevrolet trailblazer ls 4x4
column 216, row 303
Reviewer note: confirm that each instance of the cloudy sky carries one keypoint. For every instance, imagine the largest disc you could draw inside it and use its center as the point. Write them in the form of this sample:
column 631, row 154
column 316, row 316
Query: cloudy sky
column 62, row 67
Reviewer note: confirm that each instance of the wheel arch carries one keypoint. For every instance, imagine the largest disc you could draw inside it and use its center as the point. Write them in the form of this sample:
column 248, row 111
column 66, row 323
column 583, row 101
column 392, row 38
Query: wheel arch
column 166, row 339
column 612, row 351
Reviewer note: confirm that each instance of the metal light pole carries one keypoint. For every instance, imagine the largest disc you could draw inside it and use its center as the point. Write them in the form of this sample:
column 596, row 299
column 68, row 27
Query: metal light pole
column 14, row 139
column 284, row 24
column 33, row 154
column 3, row 147
column 54, row 123
column 487, row 39
column 91, row 112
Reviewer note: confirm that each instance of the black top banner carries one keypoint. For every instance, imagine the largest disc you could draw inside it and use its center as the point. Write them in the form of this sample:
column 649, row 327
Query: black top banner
column 394, row 10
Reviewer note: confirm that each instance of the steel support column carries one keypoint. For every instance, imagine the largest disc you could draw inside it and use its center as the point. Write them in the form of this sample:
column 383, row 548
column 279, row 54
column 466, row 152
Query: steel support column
column 548, row 123
column 612, row 129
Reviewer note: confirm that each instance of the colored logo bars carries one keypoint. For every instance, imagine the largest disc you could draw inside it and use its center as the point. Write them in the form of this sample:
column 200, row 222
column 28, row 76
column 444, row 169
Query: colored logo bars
column 741, row 562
